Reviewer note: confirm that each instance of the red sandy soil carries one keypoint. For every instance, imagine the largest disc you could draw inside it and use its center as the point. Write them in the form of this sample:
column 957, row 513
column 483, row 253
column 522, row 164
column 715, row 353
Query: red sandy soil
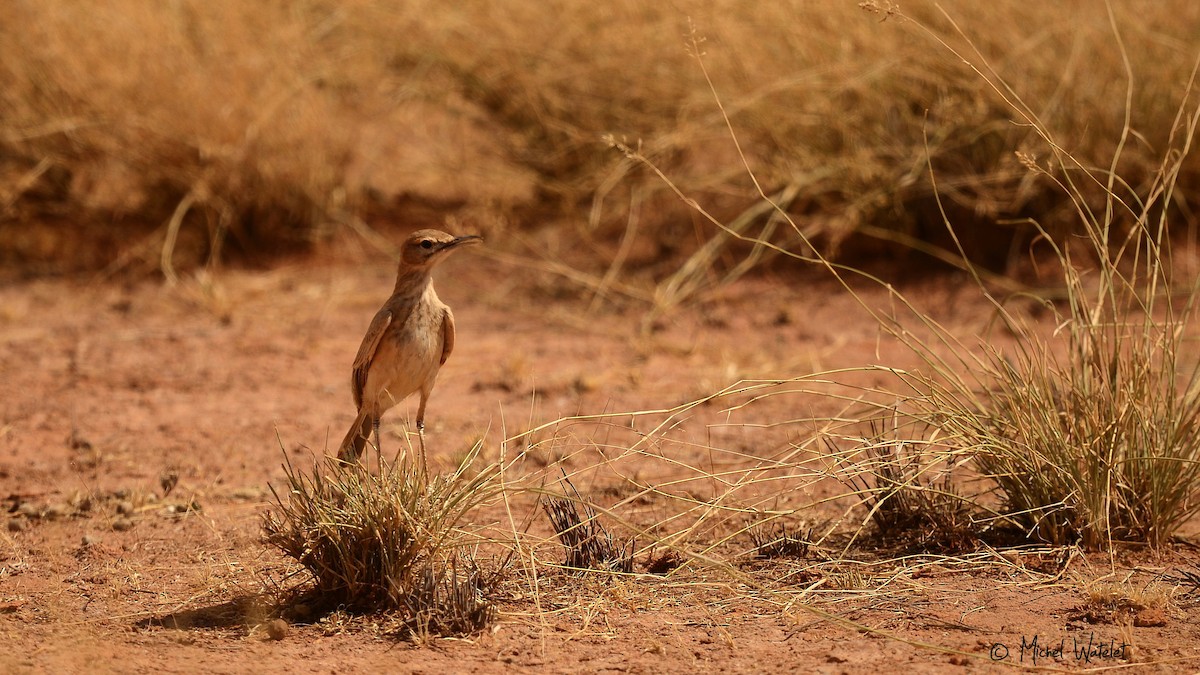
column 111, row 393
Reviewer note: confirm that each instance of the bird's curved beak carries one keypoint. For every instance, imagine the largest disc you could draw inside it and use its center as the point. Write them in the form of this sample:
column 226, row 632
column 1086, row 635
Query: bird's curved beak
column 465, row 240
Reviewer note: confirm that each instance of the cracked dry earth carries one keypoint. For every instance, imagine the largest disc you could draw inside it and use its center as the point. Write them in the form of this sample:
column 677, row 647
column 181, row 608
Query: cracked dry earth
column 141, row 425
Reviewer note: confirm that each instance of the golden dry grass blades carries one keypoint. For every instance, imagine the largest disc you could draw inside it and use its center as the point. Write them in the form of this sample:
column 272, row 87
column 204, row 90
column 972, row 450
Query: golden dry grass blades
column 1093, row 449
column 1091, row 433
column 264, row 122
column 396, row 541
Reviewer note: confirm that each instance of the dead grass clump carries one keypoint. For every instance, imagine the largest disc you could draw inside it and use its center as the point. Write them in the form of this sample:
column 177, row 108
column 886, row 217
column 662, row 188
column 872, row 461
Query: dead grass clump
column 392, row 542
column 774, row 539
column 925, row 514
column 589, row 545
column 1124, row 602
column 457, row 603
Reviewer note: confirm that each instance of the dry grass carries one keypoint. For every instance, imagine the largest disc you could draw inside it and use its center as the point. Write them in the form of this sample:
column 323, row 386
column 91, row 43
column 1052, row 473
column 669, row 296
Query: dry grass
column 1088, row 433
column 910, row 496
column 1108, row 600
column 389, row 542
column 777, row 540
column 1084, row 430
column 589, row 545
column 266, row 123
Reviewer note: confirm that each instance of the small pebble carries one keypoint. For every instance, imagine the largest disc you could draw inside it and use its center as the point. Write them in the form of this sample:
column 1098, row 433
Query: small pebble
column 17, row 524
column 277, row 629
column 29, row 510
column 90, row 539
column 122, row 524
column 125, row 507
column 56, row 511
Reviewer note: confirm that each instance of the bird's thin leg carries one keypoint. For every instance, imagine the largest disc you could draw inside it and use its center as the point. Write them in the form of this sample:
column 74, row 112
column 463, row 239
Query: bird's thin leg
column 421, row 441
column 421, row 428
column 378, row 448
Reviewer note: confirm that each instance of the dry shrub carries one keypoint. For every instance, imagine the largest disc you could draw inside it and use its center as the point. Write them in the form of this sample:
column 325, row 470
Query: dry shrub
column 392, row 542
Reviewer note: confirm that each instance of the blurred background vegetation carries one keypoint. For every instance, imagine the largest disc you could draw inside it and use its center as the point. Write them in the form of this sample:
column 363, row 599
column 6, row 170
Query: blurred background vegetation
column 218, row 127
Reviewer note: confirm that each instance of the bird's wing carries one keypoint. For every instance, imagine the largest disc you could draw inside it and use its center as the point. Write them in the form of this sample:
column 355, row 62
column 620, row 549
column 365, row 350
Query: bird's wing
column 447, row 334
column 366, row 353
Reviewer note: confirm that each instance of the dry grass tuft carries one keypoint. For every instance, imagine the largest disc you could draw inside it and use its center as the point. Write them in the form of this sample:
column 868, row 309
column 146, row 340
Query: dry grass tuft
column 392, row 542
column 1124, row 602
column 1104, row 447
column 589, row 545
column 774, row 539
column 910, row 498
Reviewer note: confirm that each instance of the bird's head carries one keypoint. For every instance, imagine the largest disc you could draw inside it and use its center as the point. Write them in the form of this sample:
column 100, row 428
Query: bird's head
column 425, row 248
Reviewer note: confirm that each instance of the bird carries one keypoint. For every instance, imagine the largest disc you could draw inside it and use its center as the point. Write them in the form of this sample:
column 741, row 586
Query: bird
column 407, row 343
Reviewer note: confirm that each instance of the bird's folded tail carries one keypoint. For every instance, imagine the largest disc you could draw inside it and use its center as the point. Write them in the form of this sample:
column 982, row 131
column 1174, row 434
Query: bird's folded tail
column 356, row 439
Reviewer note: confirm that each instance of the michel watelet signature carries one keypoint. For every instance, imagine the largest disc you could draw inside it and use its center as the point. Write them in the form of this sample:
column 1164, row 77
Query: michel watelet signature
column 1031, row 650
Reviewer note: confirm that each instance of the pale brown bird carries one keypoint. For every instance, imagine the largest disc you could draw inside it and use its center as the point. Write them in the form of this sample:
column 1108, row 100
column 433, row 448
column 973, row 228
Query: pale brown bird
column 408, row 341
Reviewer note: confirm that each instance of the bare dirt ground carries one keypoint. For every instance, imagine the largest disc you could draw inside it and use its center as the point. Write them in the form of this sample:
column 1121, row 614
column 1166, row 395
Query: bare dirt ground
column 140, row 427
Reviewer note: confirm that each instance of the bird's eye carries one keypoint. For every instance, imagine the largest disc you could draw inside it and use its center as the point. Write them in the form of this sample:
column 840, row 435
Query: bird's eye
column 426, row 244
